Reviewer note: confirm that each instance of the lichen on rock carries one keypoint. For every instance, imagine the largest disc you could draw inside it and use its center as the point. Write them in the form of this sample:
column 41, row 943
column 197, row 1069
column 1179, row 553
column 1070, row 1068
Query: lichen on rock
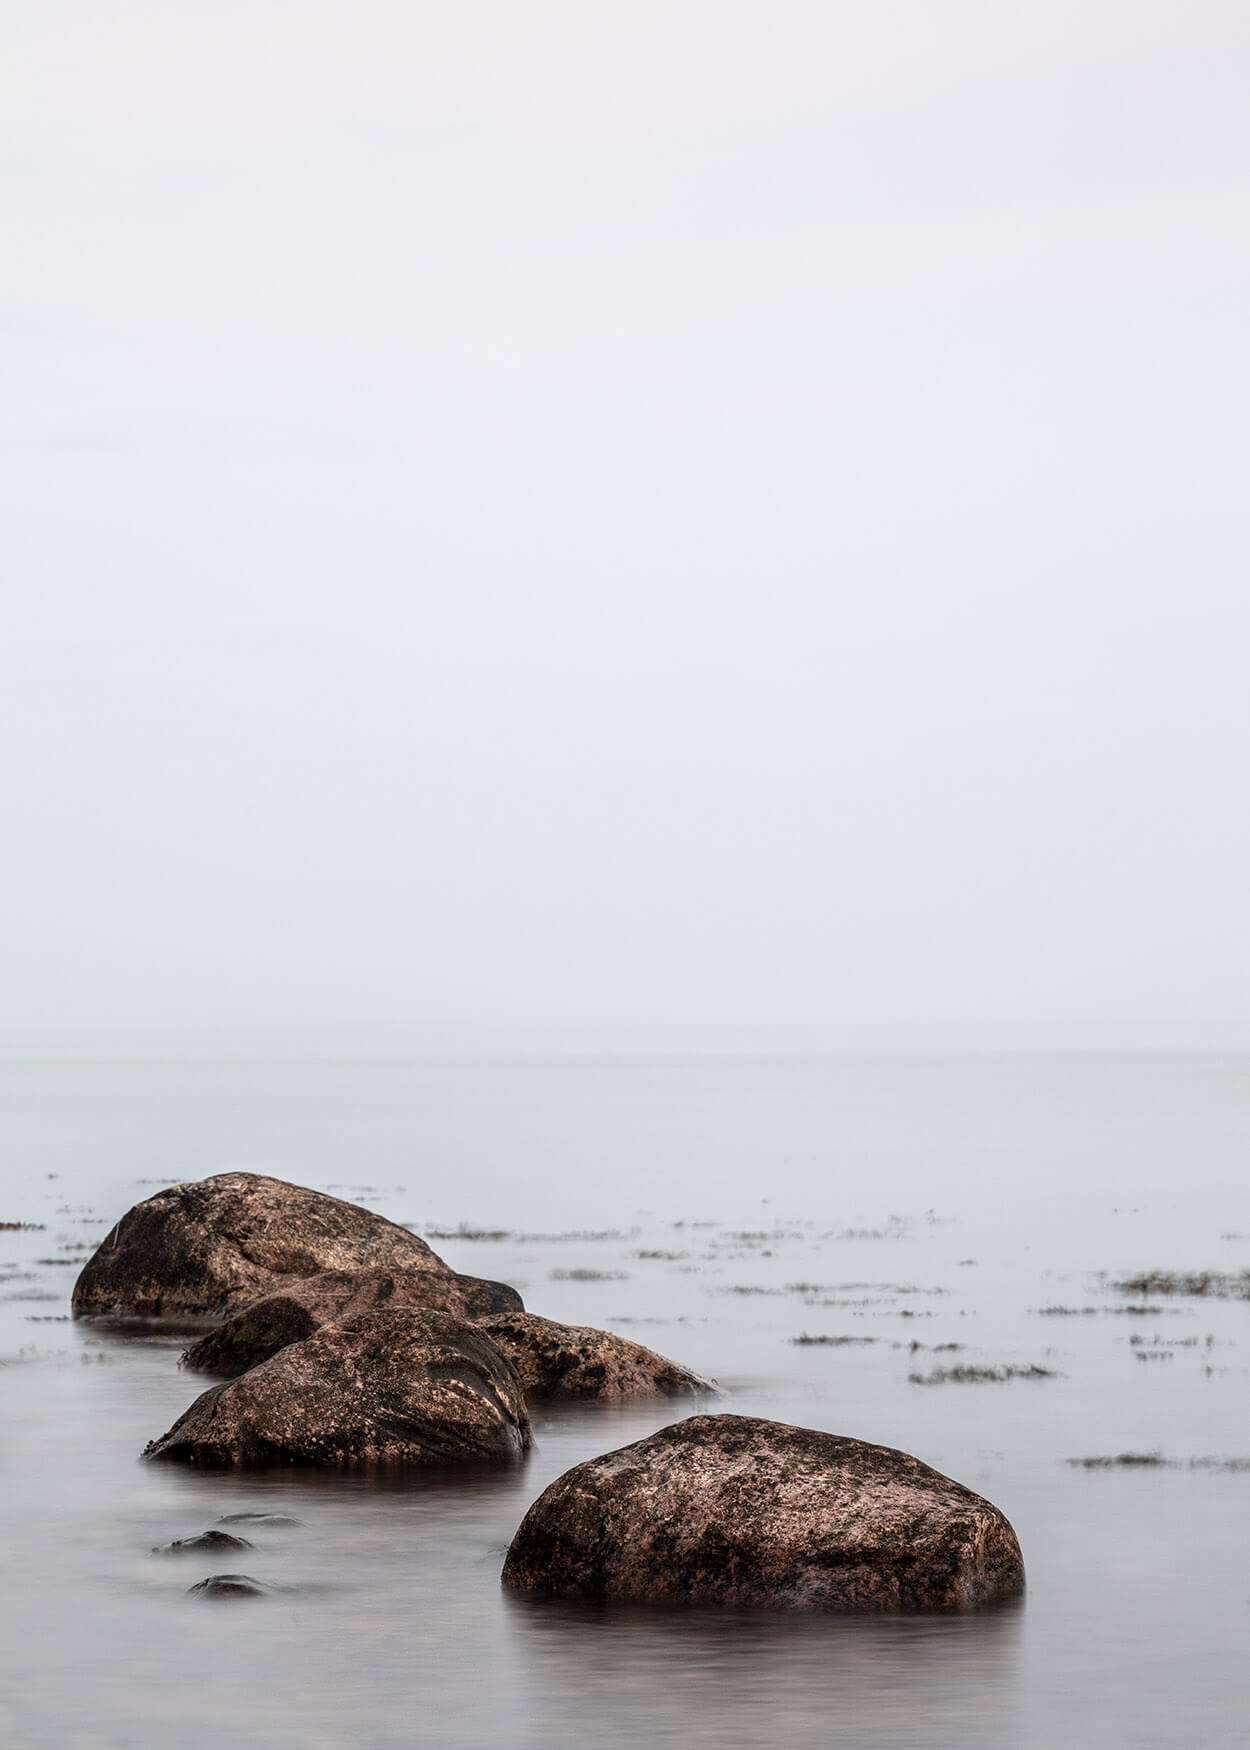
column 406, row 1387
column 302, row 1305
column 576, row 1361
column 195, row 1251
column 735, row 1510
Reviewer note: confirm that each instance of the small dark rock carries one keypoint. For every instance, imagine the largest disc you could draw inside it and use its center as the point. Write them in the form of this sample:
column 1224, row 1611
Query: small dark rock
column 263, row 1519
column 189, row 1546
column 230, row 1586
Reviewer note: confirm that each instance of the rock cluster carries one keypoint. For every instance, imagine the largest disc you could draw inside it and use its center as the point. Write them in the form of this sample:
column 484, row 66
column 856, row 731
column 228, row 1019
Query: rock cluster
column 304, row 1304
column 345, row 1341
column 348, row 1339
column 271, row 1266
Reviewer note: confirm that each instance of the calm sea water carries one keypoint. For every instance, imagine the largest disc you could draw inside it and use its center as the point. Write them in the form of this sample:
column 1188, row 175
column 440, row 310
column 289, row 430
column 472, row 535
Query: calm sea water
column 902, row 1202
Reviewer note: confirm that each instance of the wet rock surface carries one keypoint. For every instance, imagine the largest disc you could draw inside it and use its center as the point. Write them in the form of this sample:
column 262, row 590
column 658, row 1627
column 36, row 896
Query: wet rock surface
column 295, row 1310
column 207, row 1540
column 734, row 1510
column 230, row 1586
column 383, row 1388
column 200, row 1249
column 576, row 1361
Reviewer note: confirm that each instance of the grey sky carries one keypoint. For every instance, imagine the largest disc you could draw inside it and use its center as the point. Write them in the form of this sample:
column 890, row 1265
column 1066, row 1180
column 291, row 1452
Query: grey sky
column 674, row 512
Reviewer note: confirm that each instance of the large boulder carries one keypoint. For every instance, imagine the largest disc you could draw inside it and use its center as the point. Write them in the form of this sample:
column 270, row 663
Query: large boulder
column 732, row 1510
column 575, row 1361
column 382, row 1388
column 195, row 1251
column 304, row 1304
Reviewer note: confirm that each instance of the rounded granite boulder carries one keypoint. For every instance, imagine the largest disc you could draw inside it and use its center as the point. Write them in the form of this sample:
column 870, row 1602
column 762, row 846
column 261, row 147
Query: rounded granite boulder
column 416, row 1388
column 195, row 1251
column 576, row 1361
column 732, row 1510
column 304, row 1304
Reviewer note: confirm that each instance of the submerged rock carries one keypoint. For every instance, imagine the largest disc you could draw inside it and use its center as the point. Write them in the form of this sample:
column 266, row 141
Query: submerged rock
column 737, row 1511
column 293, row 1311
column 576, row 1361
column 266, row 1520
column 189, row 1546
column 200, row 1249
column 383, row 1387
column 230, row 1586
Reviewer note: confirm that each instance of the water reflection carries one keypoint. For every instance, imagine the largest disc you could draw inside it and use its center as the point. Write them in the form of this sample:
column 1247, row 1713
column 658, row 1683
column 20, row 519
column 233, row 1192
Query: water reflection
column 434, row 1498
column 746, row 1677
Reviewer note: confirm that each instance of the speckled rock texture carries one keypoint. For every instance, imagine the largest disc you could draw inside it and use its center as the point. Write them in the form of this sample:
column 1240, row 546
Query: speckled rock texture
column 293, row 1312
column 731, row 1510
column 413, row 1388
column 196, row 1251
column 575, row 1361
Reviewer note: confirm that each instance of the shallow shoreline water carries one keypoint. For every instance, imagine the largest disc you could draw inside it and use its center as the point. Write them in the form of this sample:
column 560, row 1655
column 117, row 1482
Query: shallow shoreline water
column 717, row 1210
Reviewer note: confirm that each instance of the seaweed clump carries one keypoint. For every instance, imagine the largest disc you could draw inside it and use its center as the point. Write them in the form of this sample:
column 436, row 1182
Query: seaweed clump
column 980, row 1375
column 1213, row 1284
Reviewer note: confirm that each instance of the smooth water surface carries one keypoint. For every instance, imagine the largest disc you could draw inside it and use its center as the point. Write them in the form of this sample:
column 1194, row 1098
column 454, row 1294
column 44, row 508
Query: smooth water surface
column 722, row 1207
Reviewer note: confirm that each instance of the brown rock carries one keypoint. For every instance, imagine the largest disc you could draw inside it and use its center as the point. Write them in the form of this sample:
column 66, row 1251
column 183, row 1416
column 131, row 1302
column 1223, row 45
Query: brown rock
column 574, row 1361
column 303, row 1305
column 194, row 1252
column 384, row 1387
column 737, row 1511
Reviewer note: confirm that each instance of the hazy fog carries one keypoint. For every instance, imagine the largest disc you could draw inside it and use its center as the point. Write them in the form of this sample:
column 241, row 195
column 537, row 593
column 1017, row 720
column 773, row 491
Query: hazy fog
column 672, row 512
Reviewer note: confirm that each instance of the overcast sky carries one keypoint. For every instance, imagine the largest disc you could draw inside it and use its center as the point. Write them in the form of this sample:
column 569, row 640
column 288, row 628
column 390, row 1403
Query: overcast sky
column 597, row 513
